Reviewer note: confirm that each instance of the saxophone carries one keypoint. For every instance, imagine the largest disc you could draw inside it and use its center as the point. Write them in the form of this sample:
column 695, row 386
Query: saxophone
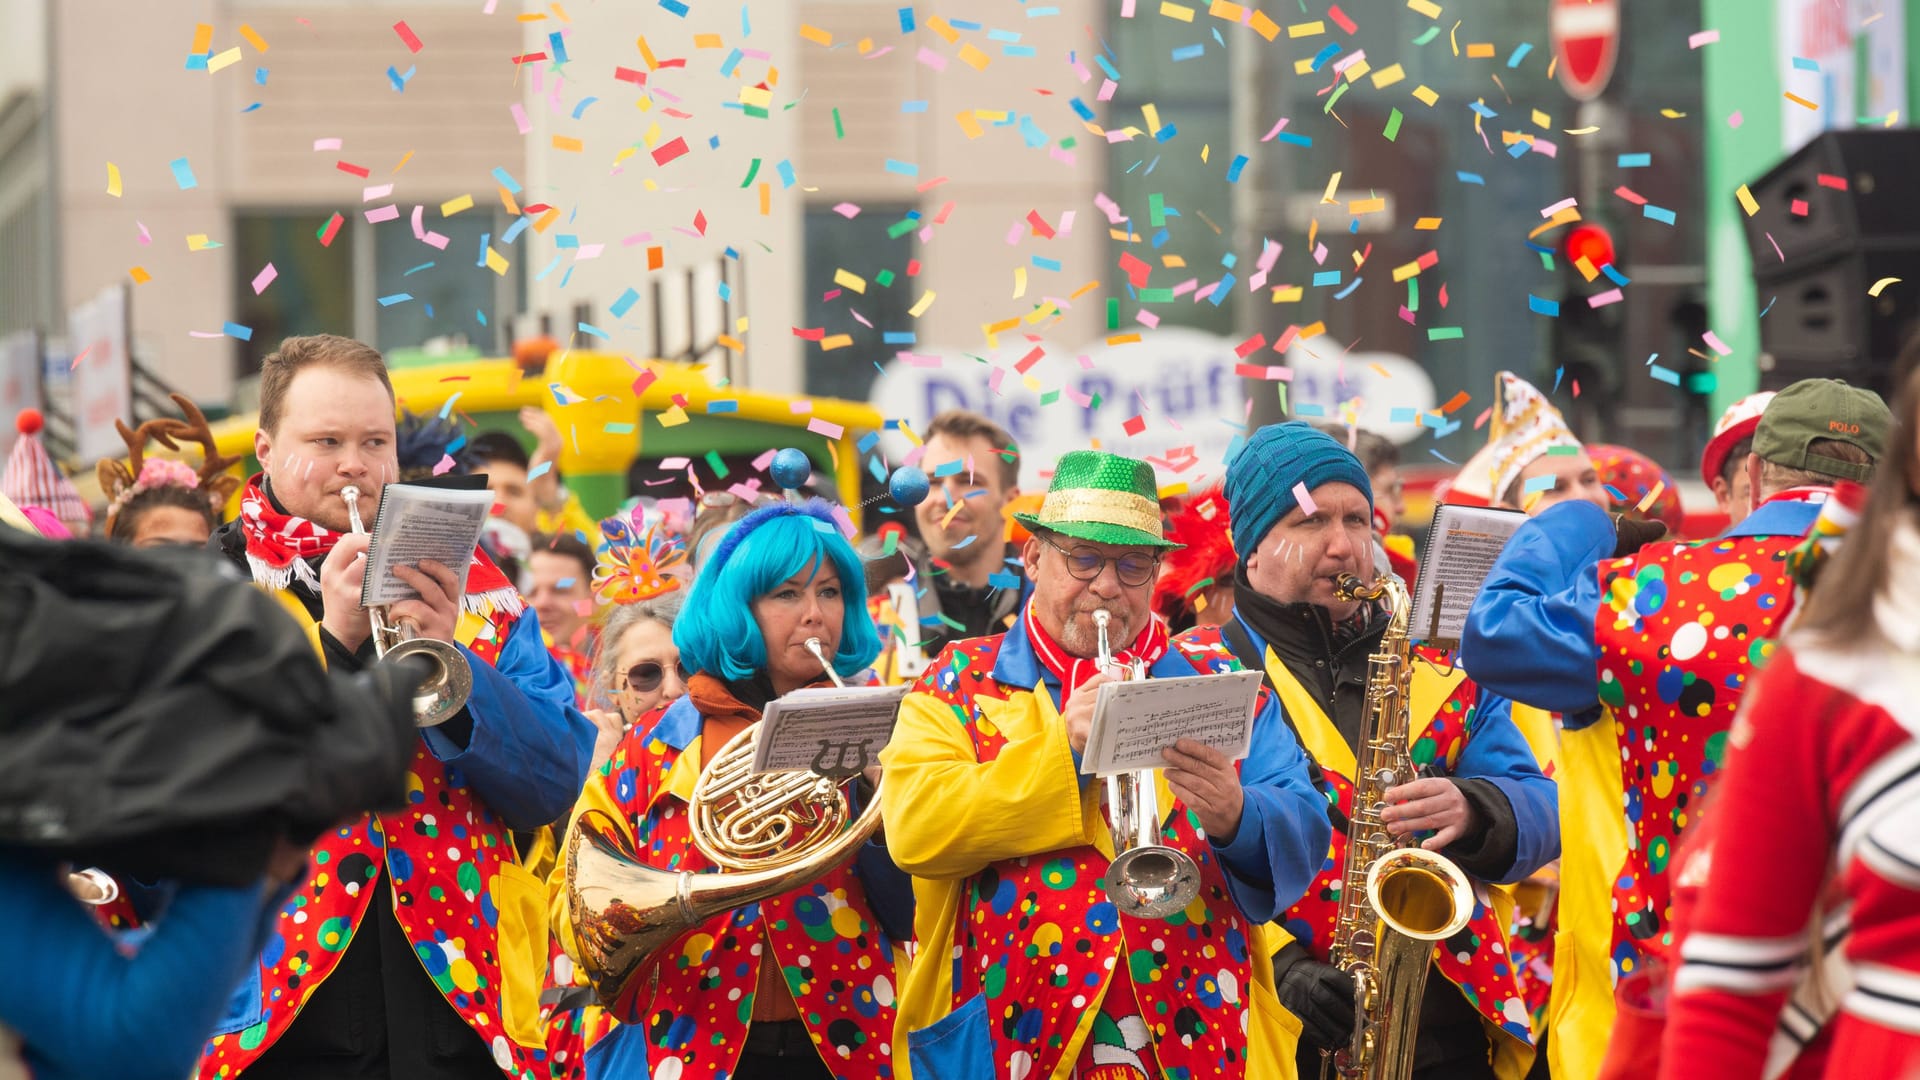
column 1396, row 898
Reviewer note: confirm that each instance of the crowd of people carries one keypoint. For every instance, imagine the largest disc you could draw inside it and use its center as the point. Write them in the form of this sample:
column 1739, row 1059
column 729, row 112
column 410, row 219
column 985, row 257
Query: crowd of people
column 1671, row 779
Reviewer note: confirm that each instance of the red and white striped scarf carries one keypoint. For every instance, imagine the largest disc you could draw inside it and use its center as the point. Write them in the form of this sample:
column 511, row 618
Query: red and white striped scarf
column 1072, row 671
column 280, row 547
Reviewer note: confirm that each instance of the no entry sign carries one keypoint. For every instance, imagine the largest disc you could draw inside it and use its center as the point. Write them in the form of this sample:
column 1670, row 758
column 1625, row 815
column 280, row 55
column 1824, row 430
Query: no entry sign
column 1586, row 42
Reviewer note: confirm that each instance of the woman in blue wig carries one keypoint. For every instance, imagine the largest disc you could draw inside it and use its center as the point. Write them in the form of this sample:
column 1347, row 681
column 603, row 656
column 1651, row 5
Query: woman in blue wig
column 797, row 985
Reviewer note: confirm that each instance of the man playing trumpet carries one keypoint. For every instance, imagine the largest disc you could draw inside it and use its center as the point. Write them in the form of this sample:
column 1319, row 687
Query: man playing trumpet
column 404, row 951
column 1027, row 968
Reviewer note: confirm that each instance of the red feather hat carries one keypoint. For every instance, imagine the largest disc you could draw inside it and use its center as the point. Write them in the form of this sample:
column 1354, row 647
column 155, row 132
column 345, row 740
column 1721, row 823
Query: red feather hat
column 1200, row 523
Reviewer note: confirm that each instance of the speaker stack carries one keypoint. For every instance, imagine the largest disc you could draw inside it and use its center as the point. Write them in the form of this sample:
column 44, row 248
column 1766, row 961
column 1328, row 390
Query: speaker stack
column 1843, row 214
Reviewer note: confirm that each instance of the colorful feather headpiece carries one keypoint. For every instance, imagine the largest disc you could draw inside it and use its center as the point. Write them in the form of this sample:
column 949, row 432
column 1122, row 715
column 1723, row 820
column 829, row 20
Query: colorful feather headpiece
column 635, row 565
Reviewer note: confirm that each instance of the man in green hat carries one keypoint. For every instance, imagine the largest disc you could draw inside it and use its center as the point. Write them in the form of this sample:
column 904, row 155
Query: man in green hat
column 1646, row 651
column 1010, row 846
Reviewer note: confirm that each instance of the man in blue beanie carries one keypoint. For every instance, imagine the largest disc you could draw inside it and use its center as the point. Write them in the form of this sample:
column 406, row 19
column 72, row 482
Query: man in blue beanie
column 1301, row 514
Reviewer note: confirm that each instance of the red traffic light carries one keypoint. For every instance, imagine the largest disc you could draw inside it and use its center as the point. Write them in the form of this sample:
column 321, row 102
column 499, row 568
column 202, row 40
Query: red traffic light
column 1591, row 241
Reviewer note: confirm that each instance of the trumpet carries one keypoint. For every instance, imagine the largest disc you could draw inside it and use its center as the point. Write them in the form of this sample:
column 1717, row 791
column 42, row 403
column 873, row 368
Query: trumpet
column 449, row 680
column 765, row 834
column 1147, row 880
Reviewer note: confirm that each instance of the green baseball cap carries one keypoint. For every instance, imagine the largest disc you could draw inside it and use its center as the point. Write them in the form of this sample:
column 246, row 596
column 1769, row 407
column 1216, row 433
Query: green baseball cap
column 1101, row 497
column 1815, row 409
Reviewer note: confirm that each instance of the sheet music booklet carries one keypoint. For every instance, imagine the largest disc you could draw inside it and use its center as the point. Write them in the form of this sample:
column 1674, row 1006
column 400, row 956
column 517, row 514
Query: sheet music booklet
column 439, row 519
column 831, row 730
column 1461, row 549
column 1134, row 720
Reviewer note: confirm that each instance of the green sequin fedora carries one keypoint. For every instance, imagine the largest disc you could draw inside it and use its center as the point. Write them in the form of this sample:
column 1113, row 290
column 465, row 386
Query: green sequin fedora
column 1104, row 498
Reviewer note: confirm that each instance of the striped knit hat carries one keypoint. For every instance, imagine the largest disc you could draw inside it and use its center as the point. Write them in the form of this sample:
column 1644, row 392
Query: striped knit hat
column 32, row 479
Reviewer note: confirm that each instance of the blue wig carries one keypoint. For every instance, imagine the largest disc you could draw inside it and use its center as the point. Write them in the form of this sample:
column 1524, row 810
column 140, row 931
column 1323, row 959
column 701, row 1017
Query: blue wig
column 716, row 632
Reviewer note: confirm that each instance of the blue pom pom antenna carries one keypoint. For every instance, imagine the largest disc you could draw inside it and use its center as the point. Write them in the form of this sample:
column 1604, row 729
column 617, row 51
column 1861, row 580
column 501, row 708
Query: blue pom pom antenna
column 791, row 469
column 909, row 485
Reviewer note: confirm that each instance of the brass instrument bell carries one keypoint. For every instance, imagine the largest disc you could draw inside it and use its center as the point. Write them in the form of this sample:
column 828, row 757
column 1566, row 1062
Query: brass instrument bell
column 1147, row 879
column 449, row 679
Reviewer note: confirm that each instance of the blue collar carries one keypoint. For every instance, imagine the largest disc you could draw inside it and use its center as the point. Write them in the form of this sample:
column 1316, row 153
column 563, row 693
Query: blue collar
column 1787, row 517
column 1259, row 642
column 679, row 725
column 1016, row 665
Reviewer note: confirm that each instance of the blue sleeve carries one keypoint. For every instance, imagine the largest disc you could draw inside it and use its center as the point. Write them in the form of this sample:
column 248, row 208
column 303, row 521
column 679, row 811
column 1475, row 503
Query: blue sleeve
column 1496, row 752
column 1529, row 636
column 1284, row 831
column 83, row 1009
column 889, row 888
column 530, row 747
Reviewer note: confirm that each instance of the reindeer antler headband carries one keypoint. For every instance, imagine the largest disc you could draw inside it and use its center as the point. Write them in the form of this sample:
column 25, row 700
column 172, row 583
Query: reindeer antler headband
column 123, row 480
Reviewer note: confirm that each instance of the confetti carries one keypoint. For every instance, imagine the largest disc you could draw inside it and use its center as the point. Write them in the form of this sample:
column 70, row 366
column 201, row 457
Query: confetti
column 264, row 278
column 1307, row 505
column 1747, row 202
column 183, row 174
column 1874, row 291
column 113, row 179
column 1704, row 37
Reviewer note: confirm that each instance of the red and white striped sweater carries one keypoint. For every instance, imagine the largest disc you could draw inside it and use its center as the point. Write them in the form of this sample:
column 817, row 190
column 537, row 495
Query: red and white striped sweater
column 1824, row 773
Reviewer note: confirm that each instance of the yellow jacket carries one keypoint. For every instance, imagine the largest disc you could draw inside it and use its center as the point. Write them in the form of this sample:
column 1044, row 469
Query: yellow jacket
column 950, row 815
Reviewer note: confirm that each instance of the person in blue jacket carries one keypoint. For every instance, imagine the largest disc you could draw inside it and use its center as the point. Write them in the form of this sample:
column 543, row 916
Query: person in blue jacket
column 144, row 1015
column 400, row 955
column 1646, row 650
column 1301, row 511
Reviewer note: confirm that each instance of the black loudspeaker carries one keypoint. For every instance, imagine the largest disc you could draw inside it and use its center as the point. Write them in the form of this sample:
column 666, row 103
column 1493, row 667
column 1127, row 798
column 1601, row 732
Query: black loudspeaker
column 1857, row 226
column 1874, row 210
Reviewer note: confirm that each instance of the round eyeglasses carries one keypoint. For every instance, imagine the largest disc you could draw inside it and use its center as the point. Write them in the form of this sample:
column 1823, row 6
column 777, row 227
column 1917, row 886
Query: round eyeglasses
column 1085, row 564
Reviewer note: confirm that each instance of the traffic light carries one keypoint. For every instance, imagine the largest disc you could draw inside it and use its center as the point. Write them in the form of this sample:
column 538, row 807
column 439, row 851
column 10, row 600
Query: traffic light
column 1587, row 338
column 1590, row 241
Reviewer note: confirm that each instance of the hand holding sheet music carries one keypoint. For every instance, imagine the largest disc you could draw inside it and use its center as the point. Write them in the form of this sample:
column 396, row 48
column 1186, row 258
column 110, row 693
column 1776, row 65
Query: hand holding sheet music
column 416, row 523
column 1134, row 721
column 833, row 731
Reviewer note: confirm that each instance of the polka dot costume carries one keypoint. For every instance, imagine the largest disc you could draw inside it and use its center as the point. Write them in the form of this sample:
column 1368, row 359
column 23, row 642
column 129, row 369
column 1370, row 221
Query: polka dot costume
column 1039, row 939
column 1681, row 630
column 441, row 855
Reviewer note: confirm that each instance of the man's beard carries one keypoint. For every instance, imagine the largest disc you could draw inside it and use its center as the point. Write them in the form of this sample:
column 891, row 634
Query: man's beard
column 1081, row 637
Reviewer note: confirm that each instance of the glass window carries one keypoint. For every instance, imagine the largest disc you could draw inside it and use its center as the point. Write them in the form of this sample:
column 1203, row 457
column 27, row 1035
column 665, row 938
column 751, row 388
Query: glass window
column 326, row 290
column 451, row 290
column 1192, row 97
column 313, row 293
column 867, row 248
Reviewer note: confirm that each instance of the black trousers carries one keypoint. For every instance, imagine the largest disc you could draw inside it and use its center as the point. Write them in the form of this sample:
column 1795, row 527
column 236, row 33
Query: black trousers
column 780, row 1050
column 378, row 1017
column 1451, row 1043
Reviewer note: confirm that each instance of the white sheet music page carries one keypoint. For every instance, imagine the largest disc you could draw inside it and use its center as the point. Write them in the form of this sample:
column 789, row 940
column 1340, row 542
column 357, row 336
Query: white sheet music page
column 1461, row 550
column 830, row 730
column 1134, row 721
column 420, row 523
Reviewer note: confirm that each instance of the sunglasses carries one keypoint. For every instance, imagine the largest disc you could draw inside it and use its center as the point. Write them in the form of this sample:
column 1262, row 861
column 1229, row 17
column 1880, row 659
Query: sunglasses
column 646, row 677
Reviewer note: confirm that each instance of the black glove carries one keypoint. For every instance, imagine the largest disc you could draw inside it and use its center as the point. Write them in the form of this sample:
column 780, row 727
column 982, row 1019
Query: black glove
column 1634, row 533
column 1321, row 995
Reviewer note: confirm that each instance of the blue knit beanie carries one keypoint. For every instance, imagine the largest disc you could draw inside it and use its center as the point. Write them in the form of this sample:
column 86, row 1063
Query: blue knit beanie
column 1261, row 478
